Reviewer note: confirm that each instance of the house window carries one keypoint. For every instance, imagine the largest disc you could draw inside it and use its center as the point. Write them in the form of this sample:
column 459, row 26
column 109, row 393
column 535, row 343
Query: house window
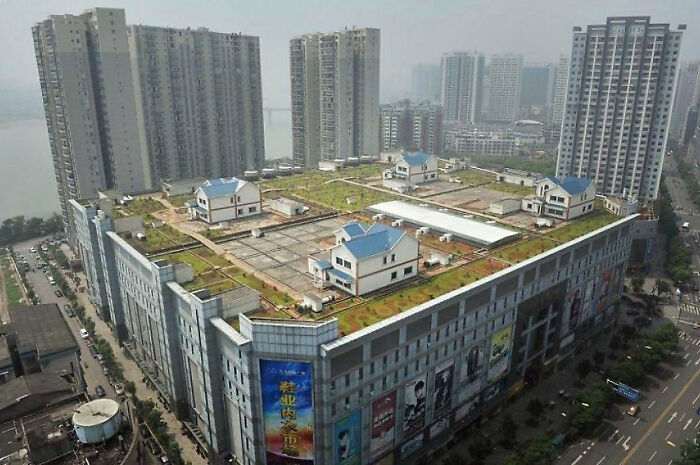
column 252, row 209
column 393, row 275
column 408, row 270
column 393, row 257
column 347, row 264
column 240, row 211
column 231, row 199
column 385, row 260
column 338, row 260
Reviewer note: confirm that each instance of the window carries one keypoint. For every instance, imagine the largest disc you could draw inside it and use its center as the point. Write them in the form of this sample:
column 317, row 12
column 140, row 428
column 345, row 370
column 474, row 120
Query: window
column 347, row 264
column 240, row 211
column 393, row 257
column 252, row 209
column 393, row 275
column 338, row 260
column 408, row 270
column 385, row 260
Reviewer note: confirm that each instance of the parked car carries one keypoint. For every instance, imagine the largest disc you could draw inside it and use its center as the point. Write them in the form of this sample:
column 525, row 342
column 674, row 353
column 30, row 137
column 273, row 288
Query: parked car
column 100, row 391
column 119, row 390
column 84, row 333
column 105, row 371
column 32, row 249
column 153, row 447
column 92, row 350
column 58, row 293
column 633, row 410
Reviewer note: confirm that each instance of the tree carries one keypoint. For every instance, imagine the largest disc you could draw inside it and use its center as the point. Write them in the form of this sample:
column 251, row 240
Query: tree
column 662, row 287
column 508, row 429
column 130, row 387
column 540, row 451
column 598, row 357
column 637, row 284
column 480, row 448
column 583, row 368
column 513, row 459
column 535, row 407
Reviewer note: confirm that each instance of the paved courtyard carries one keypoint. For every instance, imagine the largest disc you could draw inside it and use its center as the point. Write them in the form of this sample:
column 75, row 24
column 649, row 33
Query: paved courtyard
column 282, row 254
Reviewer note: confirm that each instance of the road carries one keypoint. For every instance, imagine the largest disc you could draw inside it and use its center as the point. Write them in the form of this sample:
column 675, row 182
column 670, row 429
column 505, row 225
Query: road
column 46, row 292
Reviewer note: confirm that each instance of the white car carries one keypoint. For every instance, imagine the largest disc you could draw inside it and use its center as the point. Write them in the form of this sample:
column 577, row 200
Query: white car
column 84, row 334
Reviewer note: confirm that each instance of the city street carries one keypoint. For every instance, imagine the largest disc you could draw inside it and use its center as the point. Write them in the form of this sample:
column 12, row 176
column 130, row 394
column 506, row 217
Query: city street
column 93, row 372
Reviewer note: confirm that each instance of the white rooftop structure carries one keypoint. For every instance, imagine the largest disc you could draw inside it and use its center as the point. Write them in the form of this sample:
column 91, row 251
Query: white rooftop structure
column 471, row 231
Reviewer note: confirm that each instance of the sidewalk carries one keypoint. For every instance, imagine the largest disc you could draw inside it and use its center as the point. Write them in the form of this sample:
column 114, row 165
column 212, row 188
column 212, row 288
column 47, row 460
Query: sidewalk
column 133, row 373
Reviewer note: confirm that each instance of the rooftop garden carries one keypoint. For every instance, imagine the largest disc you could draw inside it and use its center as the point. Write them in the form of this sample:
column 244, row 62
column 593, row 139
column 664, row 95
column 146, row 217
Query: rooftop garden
column 141, row 207
column 472, row 177
column 270, row 293
column 158, row 239
column 523, row 250
column 583, row 225
column 520, row 191
column 178, row 201
column 335, row 194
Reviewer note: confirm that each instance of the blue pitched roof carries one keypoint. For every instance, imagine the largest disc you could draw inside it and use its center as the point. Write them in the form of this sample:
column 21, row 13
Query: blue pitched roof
column 342, row 275
column 323, row 264
column 572, row 184
column 354, row 228
column 417, row 158
column 221, row 187
column 378, row 239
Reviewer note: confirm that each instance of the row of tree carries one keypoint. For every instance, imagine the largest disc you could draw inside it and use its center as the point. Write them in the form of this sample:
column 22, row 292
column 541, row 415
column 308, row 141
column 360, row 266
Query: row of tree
column 678, row 257
column 18, row 228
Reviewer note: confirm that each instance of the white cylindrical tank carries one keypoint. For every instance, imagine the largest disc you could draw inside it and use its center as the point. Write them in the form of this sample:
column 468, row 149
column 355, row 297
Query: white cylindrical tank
column 97, row 421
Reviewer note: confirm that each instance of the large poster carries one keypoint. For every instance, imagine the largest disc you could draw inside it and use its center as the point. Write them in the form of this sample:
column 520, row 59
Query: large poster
column 603, row 290
column 347, row 434
column 470, row 373
column 412, row 444
column 573, row 309
column 414, row 400
column 383, row 422
column 439, row 427
column 492, row 391
column 467, row 409
column 287, row 403
column 500, row 354
column 588, row 301
column 444, row 379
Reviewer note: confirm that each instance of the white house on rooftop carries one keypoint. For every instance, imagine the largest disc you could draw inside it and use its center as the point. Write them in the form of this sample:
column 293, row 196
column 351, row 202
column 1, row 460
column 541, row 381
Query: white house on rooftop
column 564, row 198
column 366, row 258
column 225, row 199
column 414, row 168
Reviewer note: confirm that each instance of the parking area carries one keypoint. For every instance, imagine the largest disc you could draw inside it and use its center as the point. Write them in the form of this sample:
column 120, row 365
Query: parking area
column 282, row 254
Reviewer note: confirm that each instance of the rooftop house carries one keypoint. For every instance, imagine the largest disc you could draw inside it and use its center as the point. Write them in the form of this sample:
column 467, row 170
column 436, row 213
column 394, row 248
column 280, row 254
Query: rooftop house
column 563, row 198
column 225, row 199
column 366, row 258
column 413, row 168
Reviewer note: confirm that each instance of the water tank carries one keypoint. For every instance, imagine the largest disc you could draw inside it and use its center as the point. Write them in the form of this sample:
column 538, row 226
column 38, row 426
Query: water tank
column 97, row 421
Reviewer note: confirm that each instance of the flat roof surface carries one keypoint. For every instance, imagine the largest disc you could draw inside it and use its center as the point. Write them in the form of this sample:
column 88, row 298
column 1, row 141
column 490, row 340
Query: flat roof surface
column 95, row 412
column 471, row 230
column 41, row 326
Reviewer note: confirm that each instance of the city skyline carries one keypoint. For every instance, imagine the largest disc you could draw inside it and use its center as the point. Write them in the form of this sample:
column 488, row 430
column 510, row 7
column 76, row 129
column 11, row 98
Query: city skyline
column 401, row 48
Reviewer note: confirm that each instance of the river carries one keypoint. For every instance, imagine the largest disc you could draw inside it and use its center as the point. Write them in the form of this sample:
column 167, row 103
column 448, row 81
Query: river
column 26, row 169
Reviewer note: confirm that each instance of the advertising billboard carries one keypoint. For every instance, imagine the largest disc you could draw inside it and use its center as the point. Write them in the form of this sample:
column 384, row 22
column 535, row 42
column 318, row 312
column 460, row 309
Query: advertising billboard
column 439, row 427
column 500, row 354
column 347, row 437
column 603, row 290
column 588, row 301
column 287, row 404
column 383, row 424
column 467, row 409
column 414, row 401
column 444, row 380
column 573, row 309
column 472, row 361
column 411, row 445
column 492, row 391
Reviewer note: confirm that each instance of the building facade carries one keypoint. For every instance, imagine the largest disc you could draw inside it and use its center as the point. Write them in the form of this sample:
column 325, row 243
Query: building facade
column 686, row 98
column 479, row 142
column 505, row 83
column 620, row 94
column 425, row 82
column 560, row 90
column 404, row 125
column 85, row 78
column 400, row 386
column 198, row 101
column 395, row 126
column 335, row 95
column 462, row 82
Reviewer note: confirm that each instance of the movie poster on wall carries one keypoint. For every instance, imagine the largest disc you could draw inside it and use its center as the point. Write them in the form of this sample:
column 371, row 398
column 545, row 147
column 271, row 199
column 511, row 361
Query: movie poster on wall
column 412, row 444
column 467, row 409
column 603, row 290
column 588, row 301
column 383, row 424
column 470, row 379
column 573, row 309
column 444, row 380
column 287, row 404
column 439, row 427
column 347, row 437
column 500, row 354
column 414, row 401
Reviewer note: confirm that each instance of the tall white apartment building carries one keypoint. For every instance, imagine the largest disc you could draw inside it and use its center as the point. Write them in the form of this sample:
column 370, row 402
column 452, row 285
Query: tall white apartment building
column 462, row 81
column 86, row 86
column 687, row 95
column 562, row 78
column 335, row 95
column 427, row 128
column 404, row 125
column 198, row 101
column 618, row 107
column 505, row 81
column 395, row 126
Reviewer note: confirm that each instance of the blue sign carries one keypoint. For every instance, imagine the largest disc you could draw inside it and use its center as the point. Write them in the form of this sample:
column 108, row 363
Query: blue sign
column 627, row 392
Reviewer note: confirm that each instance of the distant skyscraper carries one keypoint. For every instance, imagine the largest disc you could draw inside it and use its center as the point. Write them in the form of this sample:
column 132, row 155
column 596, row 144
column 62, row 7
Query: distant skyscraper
column 462, row 81
column 505, row 79
column 407, row 126
column 335, row 95
column 686, row 97
column 86, row 85
column 562, row 77
column 425, row 82
column 620, row 93
column 198, row 101
column 535, row 84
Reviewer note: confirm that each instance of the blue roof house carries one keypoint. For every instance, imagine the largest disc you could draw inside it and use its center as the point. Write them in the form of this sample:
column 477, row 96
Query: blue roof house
column 567, row 197
column 225, row 199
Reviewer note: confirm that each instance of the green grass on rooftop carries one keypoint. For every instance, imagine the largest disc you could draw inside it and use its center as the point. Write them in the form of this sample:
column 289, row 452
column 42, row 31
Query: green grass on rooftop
column 198, row 265
column 335, row 195
column 520, row 191
column 210, row 256
column 178, row 201
column 270, row 293
column 142, row 207
column 486, row 266
column 159, row 239
column 472, row 177
column 580, row 226
column 523, row 250
column 13, row 293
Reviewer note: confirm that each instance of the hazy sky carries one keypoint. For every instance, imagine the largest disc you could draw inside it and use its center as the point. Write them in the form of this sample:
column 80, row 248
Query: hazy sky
column 411, row 31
